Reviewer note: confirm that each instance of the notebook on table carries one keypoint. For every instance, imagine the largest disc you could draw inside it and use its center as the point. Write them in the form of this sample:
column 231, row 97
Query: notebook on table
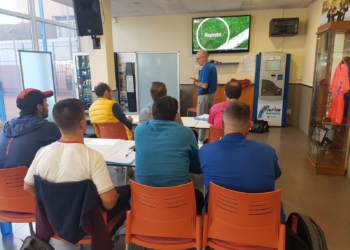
column 121, row 157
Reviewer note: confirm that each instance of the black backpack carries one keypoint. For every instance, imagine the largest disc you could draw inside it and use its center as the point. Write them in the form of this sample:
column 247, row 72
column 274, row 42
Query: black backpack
column 32, row 242
column 259, row 126
column 307, row 230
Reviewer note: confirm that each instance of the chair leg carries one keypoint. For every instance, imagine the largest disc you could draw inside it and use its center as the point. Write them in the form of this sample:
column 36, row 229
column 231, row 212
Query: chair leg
column 31, row 228
column 81, row 246
column 125, row 176
column 127, row 246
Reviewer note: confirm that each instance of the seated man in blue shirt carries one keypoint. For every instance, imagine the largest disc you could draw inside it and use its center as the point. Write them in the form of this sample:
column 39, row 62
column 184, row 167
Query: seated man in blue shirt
column 237, row 163
column 166, row 152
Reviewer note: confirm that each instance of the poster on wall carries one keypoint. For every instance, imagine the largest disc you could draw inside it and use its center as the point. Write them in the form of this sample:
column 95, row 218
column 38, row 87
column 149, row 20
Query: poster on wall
column 335, row 11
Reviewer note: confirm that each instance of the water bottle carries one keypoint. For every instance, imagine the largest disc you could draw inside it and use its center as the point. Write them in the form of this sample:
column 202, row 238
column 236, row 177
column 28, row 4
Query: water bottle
column 6, row 228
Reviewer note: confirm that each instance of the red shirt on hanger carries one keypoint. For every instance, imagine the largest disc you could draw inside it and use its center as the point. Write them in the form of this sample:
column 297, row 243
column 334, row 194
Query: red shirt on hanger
column 339, row 85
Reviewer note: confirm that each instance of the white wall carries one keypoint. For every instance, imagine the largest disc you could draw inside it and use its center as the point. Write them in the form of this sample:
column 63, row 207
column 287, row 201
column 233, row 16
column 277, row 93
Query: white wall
column 313, row 13
column 173, row 33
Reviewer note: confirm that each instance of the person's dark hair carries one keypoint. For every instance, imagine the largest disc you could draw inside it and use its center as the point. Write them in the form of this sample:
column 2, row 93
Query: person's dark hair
column 237, row 111
column 68, row 113
column 31, row 109
column 158, row 90
column 165, row 108
column 100, row 88
column 233, row 89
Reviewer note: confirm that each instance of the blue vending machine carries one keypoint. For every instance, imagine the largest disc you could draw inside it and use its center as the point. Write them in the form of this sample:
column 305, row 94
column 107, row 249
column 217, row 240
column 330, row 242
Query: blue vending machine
column 271, row 87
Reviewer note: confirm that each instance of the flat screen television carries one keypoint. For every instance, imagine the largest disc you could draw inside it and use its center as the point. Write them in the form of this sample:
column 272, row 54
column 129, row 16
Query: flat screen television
column 226, row 34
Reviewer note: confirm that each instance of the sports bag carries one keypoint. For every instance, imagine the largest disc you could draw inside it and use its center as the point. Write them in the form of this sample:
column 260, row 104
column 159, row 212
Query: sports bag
column 259, row 126
column 32, row 242
column 308, row 231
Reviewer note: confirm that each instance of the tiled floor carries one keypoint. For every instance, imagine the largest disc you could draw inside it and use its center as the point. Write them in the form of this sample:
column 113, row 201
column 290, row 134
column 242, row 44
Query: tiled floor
column 325, row 198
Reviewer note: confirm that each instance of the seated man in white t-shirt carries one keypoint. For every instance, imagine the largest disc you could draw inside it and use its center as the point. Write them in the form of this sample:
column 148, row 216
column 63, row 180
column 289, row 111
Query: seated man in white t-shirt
column 69, row 160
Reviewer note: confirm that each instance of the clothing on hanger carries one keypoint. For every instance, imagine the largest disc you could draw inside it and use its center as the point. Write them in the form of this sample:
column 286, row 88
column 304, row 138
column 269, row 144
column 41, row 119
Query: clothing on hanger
column 339, row 86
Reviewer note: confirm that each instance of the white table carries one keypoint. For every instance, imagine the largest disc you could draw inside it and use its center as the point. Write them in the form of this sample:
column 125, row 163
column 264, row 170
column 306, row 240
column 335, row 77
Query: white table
column 202, row 124
column 101, row 145
column 189, row 122
column 108, row 150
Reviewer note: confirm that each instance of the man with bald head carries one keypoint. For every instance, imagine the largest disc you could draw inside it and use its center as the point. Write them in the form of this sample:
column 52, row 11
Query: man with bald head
column 233, row 91
column 237, row 163
column 207, row 84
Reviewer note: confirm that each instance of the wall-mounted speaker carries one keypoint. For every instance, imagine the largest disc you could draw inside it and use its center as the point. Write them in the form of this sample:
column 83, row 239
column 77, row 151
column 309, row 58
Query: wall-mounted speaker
column 88, row 17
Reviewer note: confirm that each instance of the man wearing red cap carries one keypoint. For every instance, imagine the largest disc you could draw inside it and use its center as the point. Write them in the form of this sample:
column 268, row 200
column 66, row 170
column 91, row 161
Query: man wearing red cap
column 22, row 137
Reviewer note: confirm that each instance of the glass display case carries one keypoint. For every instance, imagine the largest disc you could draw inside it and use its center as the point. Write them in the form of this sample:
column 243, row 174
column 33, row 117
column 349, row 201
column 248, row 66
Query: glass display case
column 328, row 150
column 83, row 78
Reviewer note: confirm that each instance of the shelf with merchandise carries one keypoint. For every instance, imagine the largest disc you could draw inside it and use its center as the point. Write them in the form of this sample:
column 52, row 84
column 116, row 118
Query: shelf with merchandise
column 83, row 78
column 327, row 121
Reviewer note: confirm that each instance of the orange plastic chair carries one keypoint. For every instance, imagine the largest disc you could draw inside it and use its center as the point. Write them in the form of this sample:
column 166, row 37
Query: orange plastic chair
column 16, row 205
column 192, row 110
column 238, row 220
column 112, row 130
column 110, row 225
column 215, row 134
column 163, row 218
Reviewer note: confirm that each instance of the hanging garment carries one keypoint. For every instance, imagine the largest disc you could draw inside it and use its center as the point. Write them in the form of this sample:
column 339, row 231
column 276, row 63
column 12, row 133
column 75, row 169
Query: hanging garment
column 339, row 86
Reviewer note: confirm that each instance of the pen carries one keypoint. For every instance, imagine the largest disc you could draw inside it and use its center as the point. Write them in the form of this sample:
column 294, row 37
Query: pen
column 128, row 154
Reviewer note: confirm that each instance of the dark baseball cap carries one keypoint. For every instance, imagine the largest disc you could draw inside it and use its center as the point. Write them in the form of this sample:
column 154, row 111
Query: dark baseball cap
column 31, row 97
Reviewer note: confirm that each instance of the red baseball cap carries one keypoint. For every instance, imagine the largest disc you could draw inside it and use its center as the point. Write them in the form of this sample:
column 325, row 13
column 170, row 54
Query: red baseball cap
column 31, row 97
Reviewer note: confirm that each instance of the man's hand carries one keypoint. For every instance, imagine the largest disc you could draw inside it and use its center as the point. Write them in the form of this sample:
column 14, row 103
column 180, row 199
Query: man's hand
column 130, row 119
column 193, row 79
column 30, row 189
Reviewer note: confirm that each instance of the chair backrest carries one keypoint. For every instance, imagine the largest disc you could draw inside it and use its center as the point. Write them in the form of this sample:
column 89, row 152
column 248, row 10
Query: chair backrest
column 12, row 196
column 112, row 130
column 215, row 134
column 163, row 211
column 244, row 218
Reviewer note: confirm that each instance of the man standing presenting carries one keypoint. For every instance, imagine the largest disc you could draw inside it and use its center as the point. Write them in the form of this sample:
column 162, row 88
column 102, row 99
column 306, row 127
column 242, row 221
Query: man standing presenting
column 206, row 83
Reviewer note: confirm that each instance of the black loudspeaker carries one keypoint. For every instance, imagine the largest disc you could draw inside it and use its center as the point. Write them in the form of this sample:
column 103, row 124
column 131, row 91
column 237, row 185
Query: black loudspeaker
column 88, row 17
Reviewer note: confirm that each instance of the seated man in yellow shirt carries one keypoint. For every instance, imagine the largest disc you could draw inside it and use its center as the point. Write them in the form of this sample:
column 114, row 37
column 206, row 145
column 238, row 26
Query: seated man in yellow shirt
column 107, row 110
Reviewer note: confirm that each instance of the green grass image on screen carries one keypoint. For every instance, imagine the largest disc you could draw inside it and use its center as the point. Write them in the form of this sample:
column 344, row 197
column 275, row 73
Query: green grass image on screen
column 213, row 32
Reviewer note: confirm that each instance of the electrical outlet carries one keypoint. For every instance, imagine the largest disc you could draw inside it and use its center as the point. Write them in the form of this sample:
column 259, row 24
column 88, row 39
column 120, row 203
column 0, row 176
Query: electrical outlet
column 289, row 111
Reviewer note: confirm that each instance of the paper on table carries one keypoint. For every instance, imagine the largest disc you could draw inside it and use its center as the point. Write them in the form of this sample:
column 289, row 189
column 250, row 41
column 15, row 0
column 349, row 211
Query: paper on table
column 121, row 157
column 105, row 142
column 202, row 117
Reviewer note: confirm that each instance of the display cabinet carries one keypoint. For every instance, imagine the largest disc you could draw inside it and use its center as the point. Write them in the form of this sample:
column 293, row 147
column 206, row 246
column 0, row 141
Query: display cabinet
column 328, row 146
column 83, row 78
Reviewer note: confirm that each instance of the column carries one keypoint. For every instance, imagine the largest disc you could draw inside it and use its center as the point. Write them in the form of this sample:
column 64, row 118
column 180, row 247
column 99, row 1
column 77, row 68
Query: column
column 102, row 60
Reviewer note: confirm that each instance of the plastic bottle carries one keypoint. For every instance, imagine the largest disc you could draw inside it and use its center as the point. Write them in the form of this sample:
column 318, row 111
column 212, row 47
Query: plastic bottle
column 6, row 228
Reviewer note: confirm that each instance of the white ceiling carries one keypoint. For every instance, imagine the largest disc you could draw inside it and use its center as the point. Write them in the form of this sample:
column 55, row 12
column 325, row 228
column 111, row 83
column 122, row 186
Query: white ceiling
column 174, row 7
